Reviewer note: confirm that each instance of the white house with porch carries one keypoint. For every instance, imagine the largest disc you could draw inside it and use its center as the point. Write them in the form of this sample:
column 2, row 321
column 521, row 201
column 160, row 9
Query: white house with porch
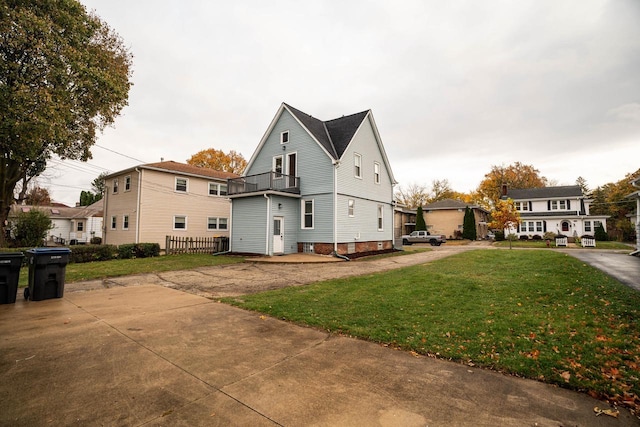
column 636, row 195
column 561, row 210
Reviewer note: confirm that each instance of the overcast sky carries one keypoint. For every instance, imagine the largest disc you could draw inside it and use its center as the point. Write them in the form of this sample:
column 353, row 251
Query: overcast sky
column 455, row 87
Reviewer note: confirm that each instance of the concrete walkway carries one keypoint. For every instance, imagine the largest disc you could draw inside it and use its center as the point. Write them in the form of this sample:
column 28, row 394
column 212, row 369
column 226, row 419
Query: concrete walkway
column 619, row 265
column 136, row 352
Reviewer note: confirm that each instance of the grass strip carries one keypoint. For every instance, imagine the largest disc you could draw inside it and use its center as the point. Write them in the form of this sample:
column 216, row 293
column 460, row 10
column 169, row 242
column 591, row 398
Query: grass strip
column 537, row 314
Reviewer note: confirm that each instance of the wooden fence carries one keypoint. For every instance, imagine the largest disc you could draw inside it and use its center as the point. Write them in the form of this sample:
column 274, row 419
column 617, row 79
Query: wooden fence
column 196, row 245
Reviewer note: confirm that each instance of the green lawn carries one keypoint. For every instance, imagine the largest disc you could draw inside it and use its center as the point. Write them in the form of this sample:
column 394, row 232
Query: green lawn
column 124, row 267
column 538, row 314
column 541, row 244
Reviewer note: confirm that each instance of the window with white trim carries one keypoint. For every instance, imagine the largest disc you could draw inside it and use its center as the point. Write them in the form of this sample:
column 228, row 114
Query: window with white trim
column 357, row 165
column 558, row 205
column 179, row 222
column 127, row 183
column 125, row 222
column 587, row 226
column 538, row 226
column 352, row 207
column 222, row 223
column 114, row 222
column 380, row 218
column 80, row 226
column 278, row 166
column 181, row 185
column 216, row 189
column 115, row 186
column 307, row 214
column 521, row 206
column 284, row 137
column 376, row 172
column 214, row 223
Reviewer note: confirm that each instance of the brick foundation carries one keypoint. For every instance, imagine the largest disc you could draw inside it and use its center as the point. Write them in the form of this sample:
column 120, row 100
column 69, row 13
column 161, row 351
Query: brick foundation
column 343, row 248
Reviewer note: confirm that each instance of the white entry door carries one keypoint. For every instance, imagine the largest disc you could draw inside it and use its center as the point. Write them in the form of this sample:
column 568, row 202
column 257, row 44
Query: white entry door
column 278, row 235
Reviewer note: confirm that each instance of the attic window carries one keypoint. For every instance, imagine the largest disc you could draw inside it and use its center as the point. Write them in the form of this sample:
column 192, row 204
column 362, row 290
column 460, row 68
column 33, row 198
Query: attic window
column 284, row 137
column 55, row 211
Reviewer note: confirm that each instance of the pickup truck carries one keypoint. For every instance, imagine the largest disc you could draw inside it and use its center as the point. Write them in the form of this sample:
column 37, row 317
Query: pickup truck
column 423, row 237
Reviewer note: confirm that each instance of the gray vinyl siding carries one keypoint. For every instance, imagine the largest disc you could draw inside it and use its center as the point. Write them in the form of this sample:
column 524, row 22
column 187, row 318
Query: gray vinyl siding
column 315, row 168
column 322, row 220
column 289, row 210
column 363, row 226
column 367, row 194
column 248, row 230
column 364, row 143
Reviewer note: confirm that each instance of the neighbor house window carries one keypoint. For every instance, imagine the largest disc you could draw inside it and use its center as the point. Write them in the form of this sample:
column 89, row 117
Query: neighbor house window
column 376, row 172
column 80, row 226
column 522, row 206
column 538, row 226
column 284, row 137
column 558, row 205
column 222, row 223
column 223, row 189
column 125, row 222
column 181, row 184
column 307, row 213
column 115, row 186
column 213, row 189
column 114, row 222
column 352, row 206
column 127, row 183
column 357, row 165
column 212, row 223
column 587, row 226
column 179, row 222
column 380, row 217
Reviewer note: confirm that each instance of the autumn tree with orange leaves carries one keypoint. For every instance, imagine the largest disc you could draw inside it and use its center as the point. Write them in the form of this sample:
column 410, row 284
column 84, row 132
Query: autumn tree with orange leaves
column 505, row 216
column 219, row 160
column 514, row 176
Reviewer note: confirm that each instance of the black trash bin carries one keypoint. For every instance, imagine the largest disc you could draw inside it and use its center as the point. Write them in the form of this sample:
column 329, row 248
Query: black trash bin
column 47, row 267
column 10, row 263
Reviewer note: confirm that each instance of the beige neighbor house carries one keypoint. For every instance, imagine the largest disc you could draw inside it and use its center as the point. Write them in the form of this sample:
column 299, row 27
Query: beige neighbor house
column 147, row 203
column 76, row 225
column 446, row 217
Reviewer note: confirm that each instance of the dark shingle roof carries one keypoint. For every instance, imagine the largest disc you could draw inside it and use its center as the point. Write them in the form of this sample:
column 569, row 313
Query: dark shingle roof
column 334, row 135
column 451, row 204
column 545, row 192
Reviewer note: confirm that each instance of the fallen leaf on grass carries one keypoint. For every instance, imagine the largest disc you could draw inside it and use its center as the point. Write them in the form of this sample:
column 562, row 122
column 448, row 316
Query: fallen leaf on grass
column 566, row 376
column 609, row 412
column 263, row 317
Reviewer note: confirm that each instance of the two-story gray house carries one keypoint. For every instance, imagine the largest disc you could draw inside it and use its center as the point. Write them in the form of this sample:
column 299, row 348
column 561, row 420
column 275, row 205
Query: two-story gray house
column 314, row 186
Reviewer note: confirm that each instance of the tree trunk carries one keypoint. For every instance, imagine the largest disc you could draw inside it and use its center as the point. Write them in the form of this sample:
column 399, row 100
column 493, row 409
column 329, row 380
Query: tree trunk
column 9, row 177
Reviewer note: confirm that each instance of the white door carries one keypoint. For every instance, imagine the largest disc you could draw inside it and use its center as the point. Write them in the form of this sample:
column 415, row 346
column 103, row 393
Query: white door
column 278, row 235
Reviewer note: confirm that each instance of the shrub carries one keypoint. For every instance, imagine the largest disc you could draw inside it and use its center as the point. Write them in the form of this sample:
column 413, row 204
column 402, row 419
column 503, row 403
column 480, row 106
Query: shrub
column 536, row 237
column 31, row 228
column 499, row 236
column 523, row 237
column 96, row 240
column 549, row 235
column 601, row 235
column 138, row 250
column 89, row 253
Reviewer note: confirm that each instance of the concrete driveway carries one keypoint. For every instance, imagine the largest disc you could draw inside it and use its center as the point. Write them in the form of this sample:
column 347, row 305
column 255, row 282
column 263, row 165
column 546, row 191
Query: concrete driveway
column 621, row 266
column 137, row 352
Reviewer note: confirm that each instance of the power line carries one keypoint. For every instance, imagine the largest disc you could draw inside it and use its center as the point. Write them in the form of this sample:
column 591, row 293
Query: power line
column 120, row 154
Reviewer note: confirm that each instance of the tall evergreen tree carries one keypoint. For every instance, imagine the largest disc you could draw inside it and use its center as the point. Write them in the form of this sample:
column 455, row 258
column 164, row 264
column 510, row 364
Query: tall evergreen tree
column 420, row 224
column 469, row 225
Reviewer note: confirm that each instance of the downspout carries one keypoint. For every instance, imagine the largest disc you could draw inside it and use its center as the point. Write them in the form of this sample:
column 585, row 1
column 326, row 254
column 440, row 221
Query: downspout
column 104, row 213
column 230, row 225
column 336, row 164
column 138, row 206
column 266, row 251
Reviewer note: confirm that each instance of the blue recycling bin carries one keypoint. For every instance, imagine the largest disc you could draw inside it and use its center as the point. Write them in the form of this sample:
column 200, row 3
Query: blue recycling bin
column 10, row 263
column 47, row 268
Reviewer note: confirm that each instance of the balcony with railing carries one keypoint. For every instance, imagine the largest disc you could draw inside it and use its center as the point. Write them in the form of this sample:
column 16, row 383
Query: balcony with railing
column 270, row 181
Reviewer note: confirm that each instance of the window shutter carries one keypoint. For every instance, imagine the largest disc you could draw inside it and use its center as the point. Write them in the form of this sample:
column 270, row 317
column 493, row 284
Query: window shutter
column 544, row 226
column 568, row 204
column 518, row 227
column 530, row 206
column 548, row 205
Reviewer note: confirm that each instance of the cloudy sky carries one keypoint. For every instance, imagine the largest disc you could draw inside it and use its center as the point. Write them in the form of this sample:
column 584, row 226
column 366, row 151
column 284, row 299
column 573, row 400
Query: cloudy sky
column 455, row 87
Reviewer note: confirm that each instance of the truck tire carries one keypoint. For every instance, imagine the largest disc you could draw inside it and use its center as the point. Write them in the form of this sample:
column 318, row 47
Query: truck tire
column 406, row 242
column 433, row 242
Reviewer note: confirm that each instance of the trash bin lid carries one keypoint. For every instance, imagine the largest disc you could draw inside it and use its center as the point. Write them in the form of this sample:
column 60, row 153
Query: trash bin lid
column 4, row 255
column 49, row 251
